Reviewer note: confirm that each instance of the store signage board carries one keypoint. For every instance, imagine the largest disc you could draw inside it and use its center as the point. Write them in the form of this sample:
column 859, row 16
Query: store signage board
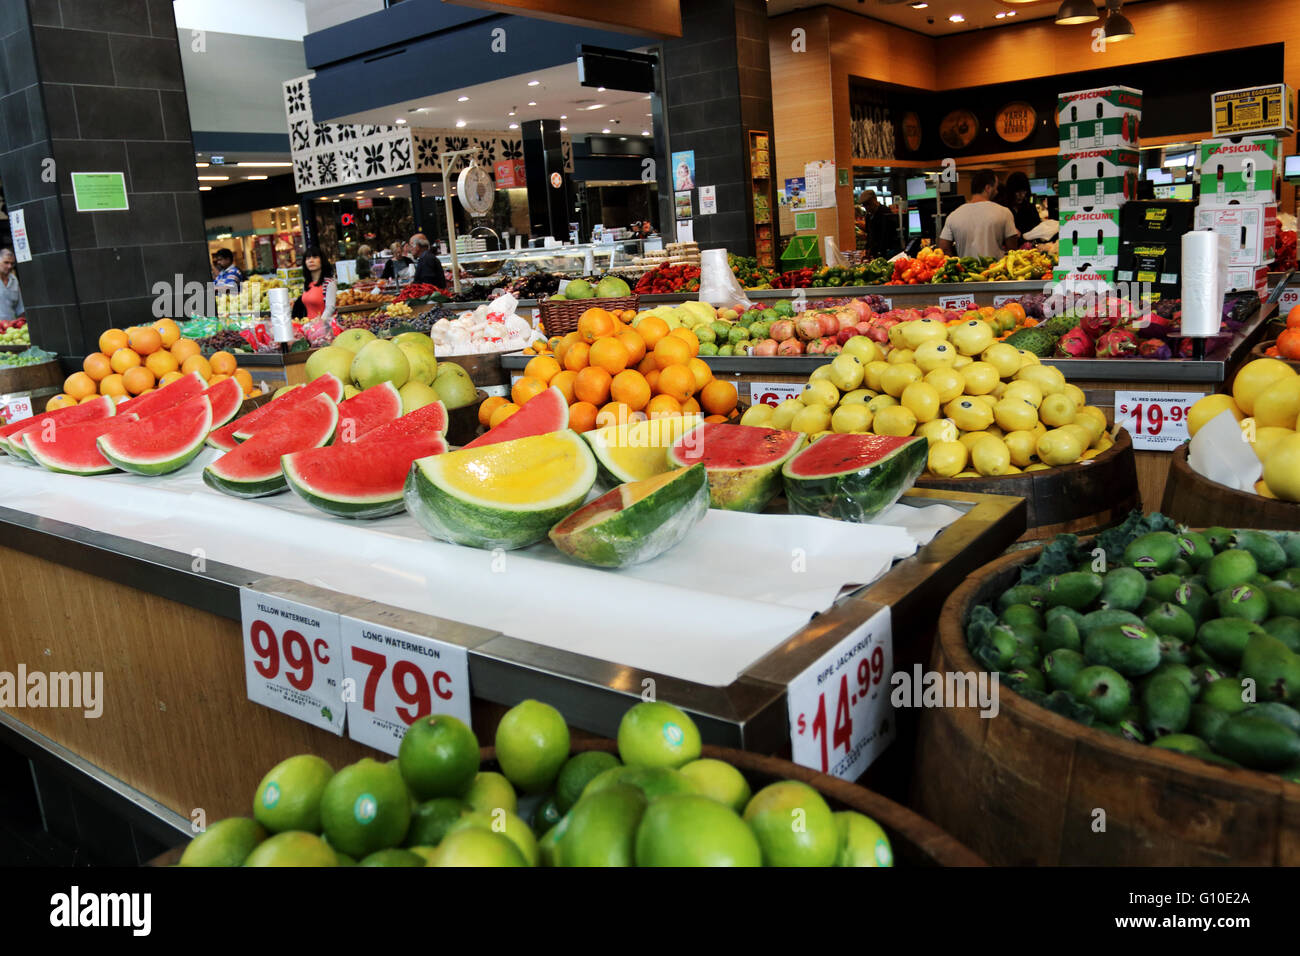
column 1288, row 300
column 773, row 393
column 15, row 407
column 805, row 220
column 18, row 228
column 393, row 677
column 708, row 200
column 957, row 303
column 1156, row 421
column 293, row 658
column 841, row 717
column 99, row 192
column 685, row 230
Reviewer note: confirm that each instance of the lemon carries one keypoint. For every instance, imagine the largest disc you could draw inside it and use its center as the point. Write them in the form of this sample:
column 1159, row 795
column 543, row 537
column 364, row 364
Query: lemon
column 921, row 400
column 971, row 337
column 1084, row 433
column 947, row 381
column 1282, row 468
column 846, row 372
column 962, row 362
column 898, row 377
column 901, row 357
column 998, row 390
column 940, row 429
column 896, row 335
column 864, row 349
column 1028, row 358
column 1105, row 441
column 969, row 414
column 1037, row 466
column 1076, row 393
column 1049, row 380
column 1279, row 404
column 933, row 355
column 851, row 417
column 990, row 457
column 1095, row 424
column 1060, row 446
column 967, row 474
column 871, row 374
column 1266, row 439
column 818, row 436
column 821, row 371
column 1057, row 409
column 917, row 333
column 1208, row 407
column 971, row 439
column 813, row 418
column 820, row 392
column 1253, row 379
column 1022, row 446
column 1014, row 414
column 986, row 398
column 947, row 458
column 980, row 377
column 1026, row 390
column 1263, row 490
column 784, row 413
column 894, row 420
column 859, row 396
column 1002, row 357
column 759, row 415
column 881, row 401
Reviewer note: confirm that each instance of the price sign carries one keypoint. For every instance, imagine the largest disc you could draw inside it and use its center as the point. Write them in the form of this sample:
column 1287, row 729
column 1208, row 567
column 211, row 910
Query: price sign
column 841, row 718
column 1155, row 420
column 773, row 393
column 291, row 658
column 1288, row 300
column 393, row 677
column 502, row 390
column 14, row 408
column 1000, row 300
column 957, row 303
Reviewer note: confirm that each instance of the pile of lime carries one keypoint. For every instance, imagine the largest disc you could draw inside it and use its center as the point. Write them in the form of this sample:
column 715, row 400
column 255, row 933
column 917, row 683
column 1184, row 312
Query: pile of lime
column 657, row 803
column 1188, row 641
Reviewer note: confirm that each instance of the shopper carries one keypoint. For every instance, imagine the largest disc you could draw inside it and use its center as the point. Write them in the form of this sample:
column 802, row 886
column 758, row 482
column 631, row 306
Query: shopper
column 1015, row 196
column 363, row 261
column 398, row 262
column 317, row 300
column 228, row 275
column 11, row 298
column 881, row 227
column 980, row 227
column 428, row 269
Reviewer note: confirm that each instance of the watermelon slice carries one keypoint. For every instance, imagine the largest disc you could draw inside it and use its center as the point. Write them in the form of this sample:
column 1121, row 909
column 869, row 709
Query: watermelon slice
column 545, row 412
column 226, row 397
column 73, row 449
column 505, row 495
column 163, row 442
column 637, row 521
column 253, row 469
column 378, row 405
column 744, row 461
column 102, row 407
column 423, row 422
column 223, row 439
column 358, row 481
column 634, row 451
column 852, row 477
column 181, row 390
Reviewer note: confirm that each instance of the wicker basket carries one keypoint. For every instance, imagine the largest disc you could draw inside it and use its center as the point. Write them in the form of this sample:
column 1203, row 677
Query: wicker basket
column 561, row 317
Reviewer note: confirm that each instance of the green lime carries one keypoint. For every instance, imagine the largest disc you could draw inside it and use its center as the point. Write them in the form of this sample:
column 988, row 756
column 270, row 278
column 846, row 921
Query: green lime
column 577, row 772
column 602, row 827
column 288, row 798
column 652, row 781
column 393, row 857
column 226, row 843
column 475, row 846
column 507, row 824
column 431, row 820
column 719, row 780
column 344, row 859
column 292, row 848
column 426, row 853
column 489, row 791
column 532, row 745
column 438, row 756
column 548, row 845
column 794, row 825
column 365, row 807
column 657, row 734
column 546, row 814
column 690, row 830
column 862, row 841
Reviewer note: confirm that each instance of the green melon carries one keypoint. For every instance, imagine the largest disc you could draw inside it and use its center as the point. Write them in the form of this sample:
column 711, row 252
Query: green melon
column 852, row 477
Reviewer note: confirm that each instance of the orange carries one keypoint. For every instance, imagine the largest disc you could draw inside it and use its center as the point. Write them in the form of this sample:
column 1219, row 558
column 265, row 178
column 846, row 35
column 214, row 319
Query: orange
column 592, row 385
column 565, row 344
column 595, row 323
column 718, row 398
column 614, row 413
column 217, row 378
column 647, row 364
column 138, row 379
column 161, row 362
column 700, row 369
column 183, row 349
column 553, row 343
column 564, row 382
column 716, row 419
column 112, row 340
column 502, row 413
column 173, row 376
column 96, row 366
column 631, row 389
column 168, row 331
column 663, row 405
column 677, row 381
column 609, row 354
column 244, row 378
column 78, row 385
column 112, row 385
column 124, row 359
column 582, row 416
column 687, row 336
column 1293, row 317
column 1016, row 309
column 223, row 363
column 490, row 405
column 146, row 340
column 543, row 368
column 652, row 379
column 89, row 398
column 525, row 388
column 575, row 356
column 197, row 363
column 634, row 344
column 671, row 350
column 59, row 401
column 1288, row 343
column 652, row 329
column 690, row 407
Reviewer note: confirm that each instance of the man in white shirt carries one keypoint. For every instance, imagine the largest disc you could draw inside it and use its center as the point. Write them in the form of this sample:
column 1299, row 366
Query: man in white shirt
column 11, row 298
column 980, row 227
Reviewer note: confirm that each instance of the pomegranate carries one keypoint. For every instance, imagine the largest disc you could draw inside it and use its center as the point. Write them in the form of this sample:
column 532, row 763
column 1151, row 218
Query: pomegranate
column 808, row 328
column 781, row 330
column 766, row 347
column 847, row 318
column 846, row 334
column 864, row 328
column 832, row 348
column 790, row 347
column 862, row 309
column 830, row 323
column 816, row 347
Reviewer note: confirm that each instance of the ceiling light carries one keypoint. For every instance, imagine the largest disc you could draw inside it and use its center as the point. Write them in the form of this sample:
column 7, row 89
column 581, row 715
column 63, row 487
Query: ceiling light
column 460, row 124
column 534, row 82
column 204, row 189
column 604, row 130
column 532, row 102
column 1000, row 16
column 919, row 5
column 564, row 116
column 1076, row 11
column 564, row 129
column 1011, row 13
column 956, row 18
column 400, row 121
column 201, row 165
column 1118, row 26
column 600, row 89
column 596, row 106
column 267, row 165
column 254, row 177
column 462, row 99
column 514, row 125
column 215, row 179
column 645, row 132
column 511, row 113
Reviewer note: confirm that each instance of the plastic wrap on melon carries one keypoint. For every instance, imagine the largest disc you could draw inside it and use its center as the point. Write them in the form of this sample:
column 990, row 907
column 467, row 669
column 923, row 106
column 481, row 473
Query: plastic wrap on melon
column 857, row 495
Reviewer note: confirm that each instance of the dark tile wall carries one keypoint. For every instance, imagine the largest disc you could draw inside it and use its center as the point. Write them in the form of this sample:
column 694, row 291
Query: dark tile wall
column 94, row 86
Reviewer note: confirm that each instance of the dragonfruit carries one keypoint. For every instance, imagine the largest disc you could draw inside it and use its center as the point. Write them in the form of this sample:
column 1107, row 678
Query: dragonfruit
column 1211, row 343
column 1155, row 348
column 1117, row 343
column 1075, row 343
column 1153, row 325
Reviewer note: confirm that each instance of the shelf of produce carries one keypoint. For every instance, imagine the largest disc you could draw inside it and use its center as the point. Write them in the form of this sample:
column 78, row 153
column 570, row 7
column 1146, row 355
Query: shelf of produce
column 31, row 378
column 1195, row 500
column 168, row 642
column 276, row 369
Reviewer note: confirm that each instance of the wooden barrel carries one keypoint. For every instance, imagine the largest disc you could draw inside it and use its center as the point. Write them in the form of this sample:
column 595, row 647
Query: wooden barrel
column 1030, row 787
column 31, row 378
column 1195, row 500
column 1084, row 497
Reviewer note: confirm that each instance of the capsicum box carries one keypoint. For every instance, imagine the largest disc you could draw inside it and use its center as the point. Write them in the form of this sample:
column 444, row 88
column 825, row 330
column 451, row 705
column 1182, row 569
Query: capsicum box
column 1256, row 109
column 1241, row 169
column 1079, row 281
column 1251, row 230
column 1105, row 118
column 1091, row 234
column 1097, row 177
column 1248, row 279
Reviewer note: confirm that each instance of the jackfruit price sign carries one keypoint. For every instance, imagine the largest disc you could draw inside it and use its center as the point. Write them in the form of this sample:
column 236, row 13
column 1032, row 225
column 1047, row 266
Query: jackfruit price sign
column 291, row 658
column 841, row 717
column 1156, row 421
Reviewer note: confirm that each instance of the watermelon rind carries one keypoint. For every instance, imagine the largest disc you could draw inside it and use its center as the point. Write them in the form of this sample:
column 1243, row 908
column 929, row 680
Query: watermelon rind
column 479, row 522
column 227, row 396
column 11, row 435
column 542, row 414
column 371, row 408
column 868, row 482
column 738, row 488
column 188, row 435
column 641, row 530
column 364, row 506
column 222, row 475
column 606, row 442
column 48, row 456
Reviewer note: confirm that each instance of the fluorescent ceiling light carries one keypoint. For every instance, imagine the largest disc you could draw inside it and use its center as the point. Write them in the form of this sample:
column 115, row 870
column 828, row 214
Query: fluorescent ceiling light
column 514, row 125
column 254, row 177
column 532, row 102
column 267, row 165
column 564, row 129
column 645, row 132
column 462, row 99
column 204, row 189
column 400, row 121
column 564, row 116
column 596, row 106
column 534, row 82
column 460, row 124
column 956, row 18
column 919, row 5
column 201, row 165
column 215, row 179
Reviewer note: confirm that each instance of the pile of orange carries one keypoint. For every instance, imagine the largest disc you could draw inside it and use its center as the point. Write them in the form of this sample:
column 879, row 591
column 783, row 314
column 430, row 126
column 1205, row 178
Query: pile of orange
column 1287, row 345
column 137, row 360
column 610, row 373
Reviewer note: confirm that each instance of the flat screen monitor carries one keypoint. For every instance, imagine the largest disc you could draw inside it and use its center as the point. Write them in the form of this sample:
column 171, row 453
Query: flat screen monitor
column 1182, row 191
column 914, row 221
column 1040, row 187
column 1161, row 177
column 916, row 187
column 1292, row 168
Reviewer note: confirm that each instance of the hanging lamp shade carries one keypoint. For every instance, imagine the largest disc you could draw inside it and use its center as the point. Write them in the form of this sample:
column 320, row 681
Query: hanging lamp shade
column 1076, row 11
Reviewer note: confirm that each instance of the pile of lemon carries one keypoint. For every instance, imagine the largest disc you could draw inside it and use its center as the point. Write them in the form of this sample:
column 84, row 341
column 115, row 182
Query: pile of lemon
column 986, row 408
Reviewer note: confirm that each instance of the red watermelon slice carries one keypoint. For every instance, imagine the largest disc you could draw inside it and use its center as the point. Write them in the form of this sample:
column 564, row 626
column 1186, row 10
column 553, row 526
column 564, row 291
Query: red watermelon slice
column 161, row 443
column 357, row 480
column 224, row 438
column 72, row 449
column 102, row 407
column 852, row 477
column 378, row 405
column 183, row 389
column 253, row 469
column 545, row 412
column 743, row 461
column 226, row 397
column 423, row 422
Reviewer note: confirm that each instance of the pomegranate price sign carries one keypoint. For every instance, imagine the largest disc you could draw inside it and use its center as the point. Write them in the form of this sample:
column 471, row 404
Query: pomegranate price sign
column 1156, row 421
column 773, row 393
column 393, row 677
column 291, row 658
column 957, row 303
column 841, row 718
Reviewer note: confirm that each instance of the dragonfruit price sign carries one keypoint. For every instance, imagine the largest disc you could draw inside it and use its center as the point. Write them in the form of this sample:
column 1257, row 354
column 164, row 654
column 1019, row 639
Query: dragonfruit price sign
column 1156, row 421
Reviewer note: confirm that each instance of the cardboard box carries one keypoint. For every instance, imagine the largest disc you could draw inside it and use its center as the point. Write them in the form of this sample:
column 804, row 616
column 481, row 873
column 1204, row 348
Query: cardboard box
column 1090, row 235
column 1156, row 220
column 1159, row 263
column 1248, row 279
column 1100, row 177
column 1251, row 230
column 1256, row 109
column 1072, row 263
column 1240, row 169
column 1105, row 118
column 1091, row 280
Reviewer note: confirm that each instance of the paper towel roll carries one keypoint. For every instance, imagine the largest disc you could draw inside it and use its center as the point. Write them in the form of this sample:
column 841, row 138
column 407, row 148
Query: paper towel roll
column 281, row 315
column 1203, row 283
